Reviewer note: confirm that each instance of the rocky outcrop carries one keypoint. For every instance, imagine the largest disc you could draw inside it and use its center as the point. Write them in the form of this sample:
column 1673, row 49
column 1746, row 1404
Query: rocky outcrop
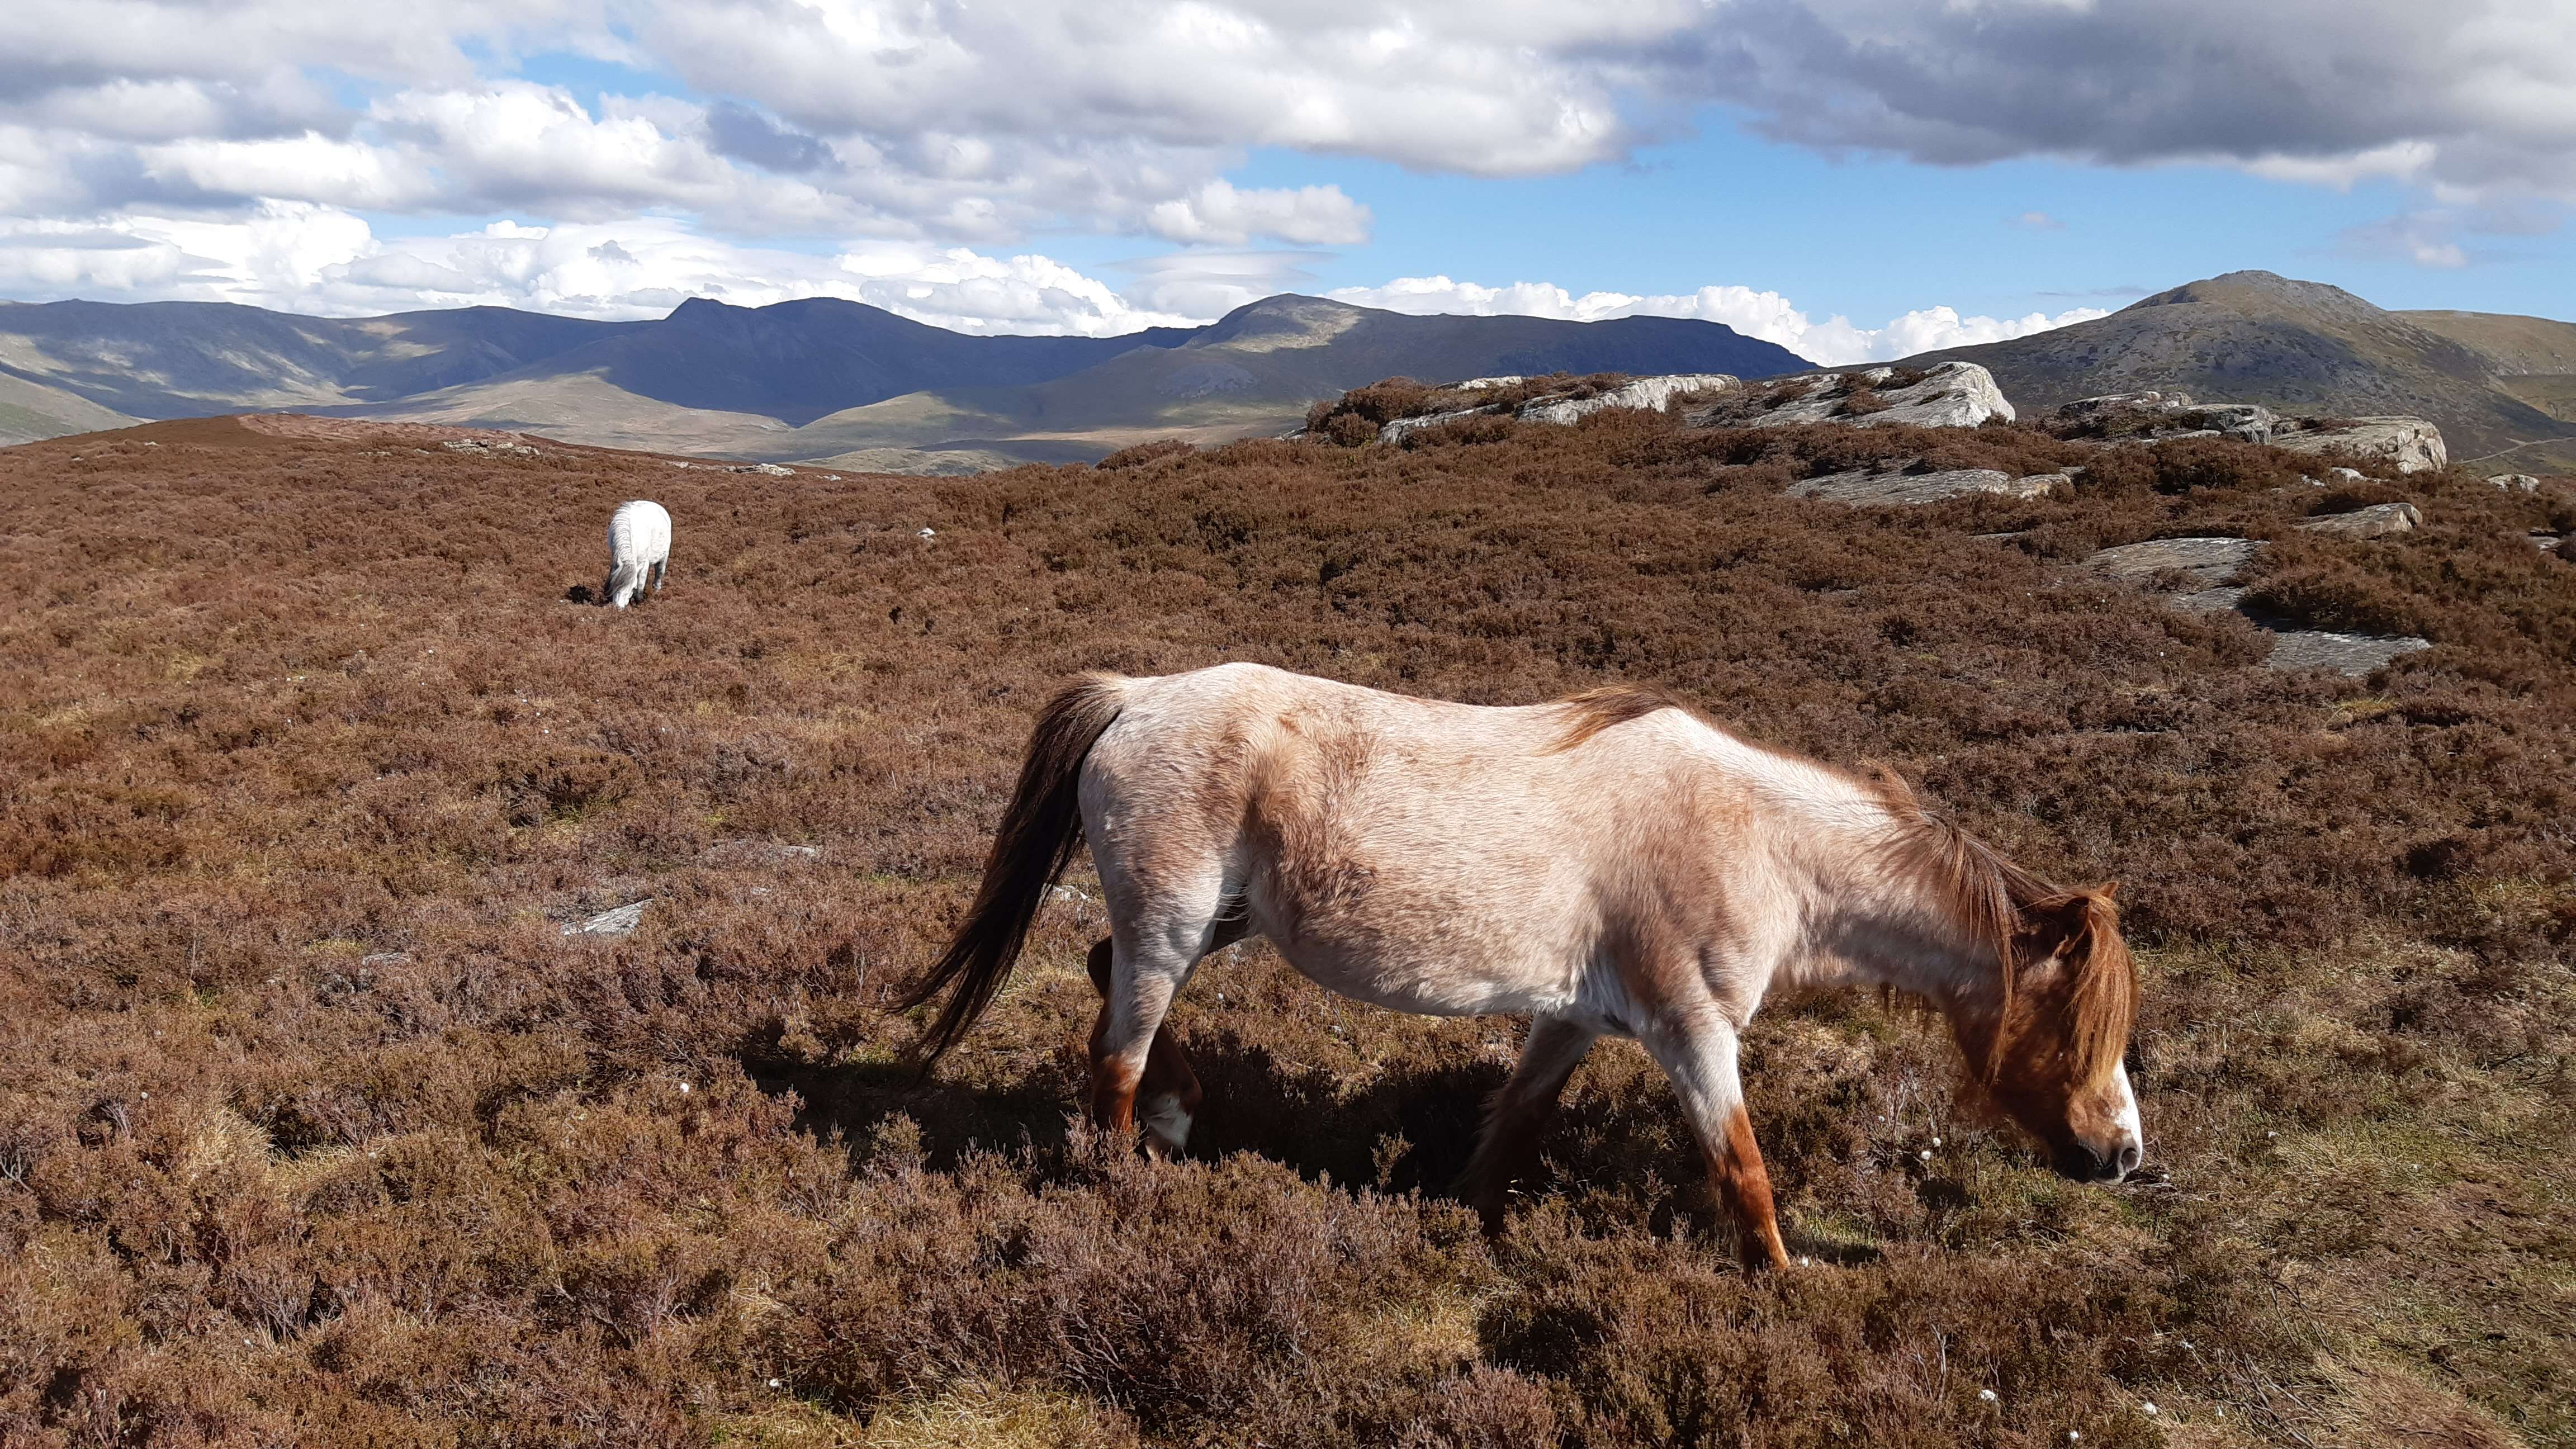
column 2159, row 416
column 2377, row 521
column 2413, row 444
column 2516, row 482
column 767, row 470
column 1950, row 395
column 2211, row 570
column 1867, row 487
column 1650, row 393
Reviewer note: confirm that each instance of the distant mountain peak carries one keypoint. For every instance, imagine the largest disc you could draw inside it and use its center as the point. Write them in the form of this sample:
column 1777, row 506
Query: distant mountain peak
column 2264, row 289
column 2295, row 346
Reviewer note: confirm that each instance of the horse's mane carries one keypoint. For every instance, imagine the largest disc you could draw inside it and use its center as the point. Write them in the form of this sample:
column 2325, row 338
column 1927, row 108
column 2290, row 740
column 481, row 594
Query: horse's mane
column 1994, row 903
column 1595, row 710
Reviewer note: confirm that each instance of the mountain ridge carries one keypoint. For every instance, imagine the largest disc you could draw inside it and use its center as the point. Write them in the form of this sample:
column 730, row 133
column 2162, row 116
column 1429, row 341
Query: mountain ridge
column 800, row 379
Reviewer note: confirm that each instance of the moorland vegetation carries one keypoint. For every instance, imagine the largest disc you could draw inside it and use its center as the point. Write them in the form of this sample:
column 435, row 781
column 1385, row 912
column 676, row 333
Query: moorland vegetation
column 319, row 1128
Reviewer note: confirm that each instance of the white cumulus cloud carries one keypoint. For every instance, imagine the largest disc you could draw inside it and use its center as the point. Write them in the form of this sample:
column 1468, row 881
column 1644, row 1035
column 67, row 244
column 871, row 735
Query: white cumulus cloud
column 1218, row 213
column 1766, row 315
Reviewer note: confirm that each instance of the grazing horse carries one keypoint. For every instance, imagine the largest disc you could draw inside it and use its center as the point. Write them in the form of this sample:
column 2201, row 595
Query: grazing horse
column 639, row 551
column 1607, row 864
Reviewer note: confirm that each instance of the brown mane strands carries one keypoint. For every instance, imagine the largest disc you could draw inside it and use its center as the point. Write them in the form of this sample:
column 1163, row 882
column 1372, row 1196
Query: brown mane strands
column 1997, row 903
column 1609, row 707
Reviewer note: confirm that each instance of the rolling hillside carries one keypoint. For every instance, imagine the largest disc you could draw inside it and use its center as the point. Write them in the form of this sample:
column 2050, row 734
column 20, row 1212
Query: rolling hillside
column 194, row 359
column 2534, row 357
column 1258, row 368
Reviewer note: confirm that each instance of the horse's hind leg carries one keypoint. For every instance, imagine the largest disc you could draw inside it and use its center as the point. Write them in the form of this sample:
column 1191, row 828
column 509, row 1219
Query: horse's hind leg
column 1698, row 1053
column 1167, row 1092
column 1518, row 1114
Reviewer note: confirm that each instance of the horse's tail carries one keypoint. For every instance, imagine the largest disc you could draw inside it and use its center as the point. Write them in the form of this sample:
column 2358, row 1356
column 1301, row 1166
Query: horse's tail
column 1039, row 835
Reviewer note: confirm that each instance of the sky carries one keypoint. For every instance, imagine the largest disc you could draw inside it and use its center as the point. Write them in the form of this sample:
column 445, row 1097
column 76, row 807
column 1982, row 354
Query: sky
column 1852, row 179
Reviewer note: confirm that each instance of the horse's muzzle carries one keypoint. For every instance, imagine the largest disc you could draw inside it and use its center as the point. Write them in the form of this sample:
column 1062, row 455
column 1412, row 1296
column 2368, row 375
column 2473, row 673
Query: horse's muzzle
column 2085, row 1164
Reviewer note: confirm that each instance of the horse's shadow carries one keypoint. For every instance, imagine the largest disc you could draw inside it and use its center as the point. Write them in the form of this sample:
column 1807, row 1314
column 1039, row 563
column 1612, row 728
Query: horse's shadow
column 1410, row 1128
column 1406, row 1130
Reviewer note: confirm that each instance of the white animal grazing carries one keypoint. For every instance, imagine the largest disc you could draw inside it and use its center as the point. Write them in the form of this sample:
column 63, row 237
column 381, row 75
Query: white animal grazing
column 639, row 551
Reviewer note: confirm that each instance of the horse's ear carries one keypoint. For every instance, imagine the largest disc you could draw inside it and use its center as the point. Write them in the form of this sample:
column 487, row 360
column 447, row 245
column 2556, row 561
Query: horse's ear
column 2057, row 925
column 2108, row 890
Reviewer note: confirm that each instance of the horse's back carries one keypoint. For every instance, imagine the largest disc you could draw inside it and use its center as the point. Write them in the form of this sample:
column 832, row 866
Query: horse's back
column 639, row 529
column 1429, row 855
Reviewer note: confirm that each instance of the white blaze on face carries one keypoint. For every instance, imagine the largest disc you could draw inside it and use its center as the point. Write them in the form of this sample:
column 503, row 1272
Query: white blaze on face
column 2130, row 1133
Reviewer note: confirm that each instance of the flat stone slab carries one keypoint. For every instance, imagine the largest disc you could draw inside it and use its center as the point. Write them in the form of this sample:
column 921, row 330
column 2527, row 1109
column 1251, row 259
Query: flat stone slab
column 619, row 922
column 2208, row 562
column 2214, row 565
column 2377, row 521
column 737, row 854
column 2354, row 654
column 1395, row 432
column 1863, row 487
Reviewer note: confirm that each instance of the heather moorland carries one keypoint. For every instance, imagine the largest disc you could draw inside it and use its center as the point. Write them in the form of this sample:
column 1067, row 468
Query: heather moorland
column 317, row 1125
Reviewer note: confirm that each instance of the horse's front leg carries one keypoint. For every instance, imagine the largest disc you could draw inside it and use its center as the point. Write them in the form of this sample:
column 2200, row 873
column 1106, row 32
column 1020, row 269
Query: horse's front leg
column 1166, row 1092
column 1698, row 1052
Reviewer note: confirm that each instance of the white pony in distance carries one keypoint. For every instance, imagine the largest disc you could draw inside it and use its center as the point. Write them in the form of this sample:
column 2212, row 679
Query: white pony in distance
column 639, row 551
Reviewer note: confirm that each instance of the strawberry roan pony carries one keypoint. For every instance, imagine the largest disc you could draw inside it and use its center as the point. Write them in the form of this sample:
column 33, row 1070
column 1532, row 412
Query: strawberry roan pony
column 1607, row 864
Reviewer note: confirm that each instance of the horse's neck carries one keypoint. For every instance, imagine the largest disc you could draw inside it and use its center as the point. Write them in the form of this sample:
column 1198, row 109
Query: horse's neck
column 1874, row 923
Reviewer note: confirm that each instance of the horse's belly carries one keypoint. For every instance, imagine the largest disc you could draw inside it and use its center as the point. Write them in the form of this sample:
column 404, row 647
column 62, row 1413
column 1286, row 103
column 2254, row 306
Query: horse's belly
column 1432, row 964
column 1432, row 990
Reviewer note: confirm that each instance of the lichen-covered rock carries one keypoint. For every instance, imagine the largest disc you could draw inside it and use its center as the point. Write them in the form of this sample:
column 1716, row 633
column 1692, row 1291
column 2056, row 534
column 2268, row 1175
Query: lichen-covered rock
column 1649, row 393
column 1396, row 431
column 2353, row 654
column 2377, row 521
column 1866, row 487
column 771, row 470
column 2209, row 567
column 2516, row 482
column 2205, row 561
column 619, row 922
column 2162, row 417
column 2413, row 444
column 1951, row 395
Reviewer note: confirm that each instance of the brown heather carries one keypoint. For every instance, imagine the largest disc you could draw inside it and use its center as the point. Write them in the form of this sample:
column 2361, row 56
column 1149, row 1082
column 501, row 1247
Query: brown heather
column 315, row 1129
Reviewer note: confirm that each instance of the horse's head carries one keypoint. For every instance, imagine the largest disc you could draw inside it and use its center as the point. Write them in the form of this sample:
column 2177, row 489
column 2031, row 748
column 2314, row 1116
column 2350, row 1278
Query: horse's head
column 2054, row 1058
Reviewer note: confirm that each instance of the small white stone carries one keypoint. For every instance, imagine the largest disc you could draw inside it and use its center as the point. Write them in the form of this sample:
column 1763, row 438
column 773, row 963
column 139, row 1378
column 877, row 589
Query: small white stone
column 1986, row 1394
column 2147, row 1409
column 1805, row 1262
column 684, row 1086
column 1927, row 1154
column 1936, row 1141
column 773, row 1383
column 2074, row 1434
